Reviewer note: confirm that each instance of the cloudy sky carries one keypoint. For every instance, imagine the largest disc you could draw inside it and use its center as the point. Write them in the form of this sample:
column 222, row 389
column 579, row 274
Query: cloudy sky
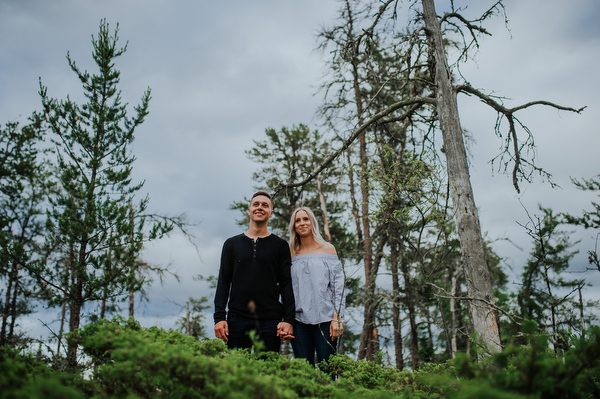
column 221, row 72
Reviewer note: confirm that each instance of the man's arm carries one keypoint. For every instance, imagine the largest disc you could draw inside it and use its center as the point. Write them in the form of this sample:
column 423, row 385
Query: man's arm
column 223, row 286
column 285, row 283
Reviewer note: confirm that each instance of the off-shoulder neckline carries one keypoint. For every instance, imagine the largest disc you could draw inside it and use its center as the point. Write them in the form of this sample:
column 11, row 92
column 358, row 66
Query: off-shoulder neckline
column 315, row 256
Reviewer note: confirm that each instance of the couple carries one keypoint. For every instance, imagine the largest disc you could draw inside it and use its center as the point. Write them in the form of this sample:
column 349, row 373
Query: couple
column 257, row 268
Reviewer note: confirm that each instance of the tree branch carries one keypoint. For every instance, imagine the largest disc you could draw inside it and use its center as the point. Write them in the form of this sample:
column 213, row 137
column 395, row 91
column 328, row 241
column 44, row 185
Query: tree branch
column 492, row 305
column 508, row 113
column 421, row 100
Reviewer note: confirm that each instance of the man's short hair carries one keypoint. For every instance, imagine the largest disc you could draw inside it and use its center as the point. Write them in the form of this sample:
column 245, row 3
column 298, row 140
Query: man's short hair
column 264, row 193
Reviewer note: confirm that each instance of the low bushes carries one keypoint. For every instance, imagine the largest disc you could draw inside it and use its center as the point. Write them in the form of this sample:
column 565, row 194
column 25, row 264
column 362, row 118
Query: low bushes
column 127, row 361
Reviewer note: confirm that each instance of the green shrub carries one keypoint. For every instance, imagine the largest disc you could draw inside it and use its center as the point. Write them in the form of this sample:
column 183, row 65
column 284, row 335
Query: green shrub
column 536, row 370
column 151, row 362
column 128, row 361
column 24, row 377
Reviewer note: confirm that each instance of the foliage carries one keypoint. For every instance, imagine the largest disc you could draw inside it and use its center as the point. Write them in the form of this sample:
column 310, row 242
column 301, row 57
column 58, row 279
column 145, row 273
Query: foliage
column 145, row 362
column 589, row 219
column 97, row 233
column 129, row 361
column 26, row 377
column 91, row 218
column 194, row 318
column 534, row 369
column 543, row 285
column 97, row 224
column 24, row 185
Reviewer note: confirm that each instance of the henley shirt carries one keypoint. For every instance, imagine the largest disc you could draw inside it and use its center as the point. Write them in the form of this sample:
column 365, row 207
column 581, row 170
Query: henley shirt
column 253, row 276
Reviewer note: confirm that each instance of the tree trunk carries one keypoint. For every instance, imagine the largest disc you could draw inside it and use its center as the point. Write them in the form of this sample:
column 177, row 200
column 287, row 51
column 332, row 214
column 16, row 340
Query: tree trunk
column 414, row 328
column 397, row 325
column 581, row 311
column 61, row 330
column 131, row 305
column 368, row 341
column 368, row 334
column 323, row 210
column 445, row 323
column 12, row 278
column 479, row 282
column 551, row 299
column 453, row 289
column 74, row 320
column 103, row 304
column 67, row 277
column 133, row 270
column 187, row 319
column 76, row 291
column 368, row 344
column 14, row 300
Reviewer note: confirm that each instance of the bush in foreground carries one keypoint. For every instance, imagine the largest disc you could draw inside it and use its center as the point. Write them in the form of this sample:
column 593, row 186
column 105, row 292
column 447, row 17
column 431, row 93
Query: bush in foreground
column 128, row 361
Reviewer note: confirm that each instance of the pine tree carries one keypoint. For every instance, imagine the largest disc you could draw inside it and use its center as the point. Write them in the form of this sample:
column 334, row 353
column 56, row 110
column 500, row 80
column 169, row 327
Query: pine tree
column 90, row 220
column 24, row 186
column 546, row 296
column 589, row 219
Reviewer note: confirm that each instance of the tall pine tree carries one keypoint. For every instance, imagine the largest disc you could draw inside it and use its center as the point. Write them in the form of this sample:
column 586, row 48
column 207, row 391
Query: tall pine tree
column 91, row 219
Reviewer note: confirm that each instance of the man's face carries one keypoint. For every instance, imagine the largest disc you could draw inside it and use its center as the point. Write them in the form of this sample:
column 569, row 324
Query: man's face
column 260, row 209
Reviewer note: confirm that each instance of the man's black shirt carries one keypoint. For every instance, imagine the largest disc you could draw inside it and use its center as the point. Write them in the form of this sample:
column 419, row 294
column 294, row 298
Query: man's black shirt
column 252, row 278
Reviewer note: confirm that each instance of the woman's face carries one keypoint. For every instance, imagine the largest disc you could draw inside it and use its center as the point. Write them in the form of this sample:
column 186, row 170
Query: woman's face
column 302, row 224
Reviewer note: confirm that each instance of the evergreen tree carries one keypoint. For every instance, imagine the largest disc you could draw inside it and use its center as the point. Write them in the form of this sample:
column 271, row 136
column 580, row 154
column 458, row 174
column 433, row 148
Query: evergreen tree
column 193, row 322
column 589, row 219
column 24, row 186
column 90, row 219
column 546, row 296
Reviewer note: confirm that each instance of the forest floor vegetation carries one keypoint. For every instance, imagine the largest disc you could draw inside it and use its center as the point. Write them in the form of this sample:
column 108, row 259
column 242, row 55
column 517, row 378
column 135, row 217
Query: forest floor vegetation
column 121, row 359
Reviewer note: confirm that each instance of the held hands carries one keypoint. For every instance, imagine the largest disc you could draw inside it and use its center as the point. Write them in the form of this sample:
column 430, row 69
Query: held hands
column 336, row 328
column 222, row 330
column 285, row 331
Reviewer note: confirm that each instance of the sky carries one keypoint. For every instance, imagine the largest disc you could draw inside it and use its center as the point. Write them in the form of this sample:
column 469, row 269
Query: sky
column 221, row 72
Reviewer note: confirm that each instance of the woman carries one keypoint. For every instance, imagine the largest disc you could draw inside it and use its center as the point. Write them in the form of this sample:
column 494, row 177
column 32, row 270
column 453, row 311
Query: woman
column 318, row 283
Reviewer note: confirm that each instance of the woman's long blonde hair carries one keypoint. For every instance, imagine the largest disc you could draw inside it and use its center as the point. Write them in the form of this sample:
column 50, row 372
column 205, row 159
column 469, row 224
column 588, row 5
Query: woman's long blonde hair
column 294, row 238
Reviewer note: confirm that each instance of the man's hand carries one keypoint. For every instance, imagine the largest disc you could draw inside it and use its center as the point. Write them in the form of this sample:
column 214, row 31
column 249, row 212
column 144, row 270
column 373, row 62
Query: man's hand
column 285, row 331
column 222, row 330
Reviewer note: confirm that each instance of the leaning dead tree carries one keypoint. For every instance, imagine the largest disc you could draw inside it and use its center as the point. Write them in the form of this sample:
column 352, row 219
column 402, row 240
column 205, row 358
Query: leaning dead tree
column 439, row 108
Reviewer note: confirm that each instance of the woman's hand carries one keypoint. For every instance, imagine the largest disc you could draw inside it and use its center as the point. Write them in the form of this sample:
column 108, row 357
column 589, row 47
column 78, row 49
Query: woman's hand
column 336, row 328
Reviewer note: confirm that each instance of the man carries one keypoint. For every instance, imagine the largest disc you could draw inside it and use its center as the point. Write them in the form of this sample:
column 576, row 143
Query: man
column 254, row 274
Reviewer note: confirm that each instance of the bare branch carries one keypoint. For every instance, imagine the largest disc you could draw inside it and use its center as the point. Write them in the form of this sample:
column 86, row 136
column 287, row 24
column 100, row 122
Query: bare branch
column 375, row 118
column 508, row 113
column 512, row 317
column 474, row 26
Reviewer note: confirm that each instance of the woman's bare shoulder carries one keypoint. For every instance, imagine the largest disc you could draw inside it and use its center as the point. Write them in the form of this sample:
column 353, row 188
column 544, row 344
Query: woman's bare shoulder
column 329, row 249
column 325, row 248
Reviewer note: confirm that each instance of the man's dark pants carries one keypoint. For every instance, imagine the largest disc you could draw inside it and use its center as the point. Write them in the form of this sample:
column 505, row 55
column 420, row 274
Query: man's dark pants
column 239, row 332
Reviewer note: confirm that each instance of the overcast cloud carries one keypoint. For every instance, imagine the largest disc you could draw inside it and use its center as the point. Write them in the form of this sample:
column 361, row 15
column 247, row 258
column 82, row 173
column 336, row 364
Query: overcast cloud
column 221, row 72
